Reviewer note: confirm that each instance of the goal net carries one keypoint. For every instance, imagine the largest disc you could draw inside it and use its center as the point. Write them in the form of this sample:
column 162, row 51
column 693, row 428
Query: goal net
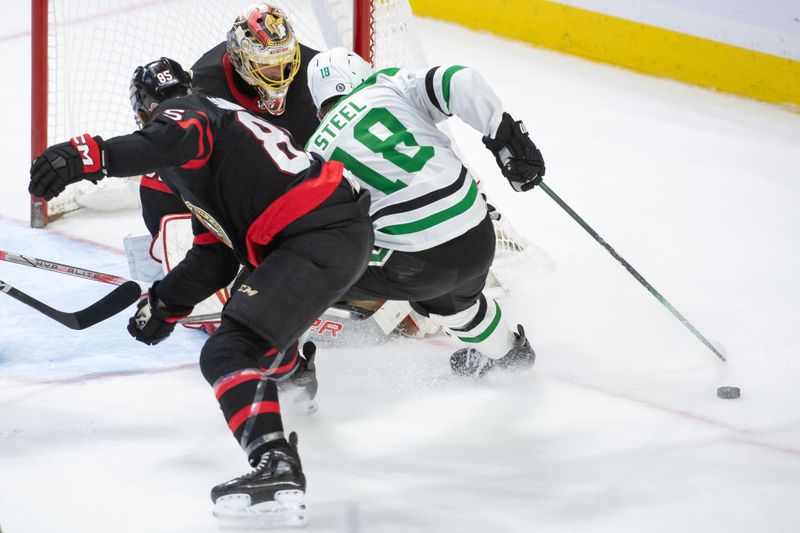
column 85, row 52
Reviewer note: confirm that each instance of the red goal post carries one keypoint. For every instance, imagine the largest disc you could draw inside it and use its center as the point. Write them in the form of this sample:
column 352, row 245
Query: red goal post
column 83, row 53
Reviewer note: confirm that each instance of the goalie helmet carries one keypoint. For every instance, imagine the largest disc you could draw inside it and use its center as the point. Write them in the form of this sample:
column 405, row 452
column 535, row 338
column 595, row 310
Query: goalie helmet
column 335, row 72
column 155, row 82
column 264, row 51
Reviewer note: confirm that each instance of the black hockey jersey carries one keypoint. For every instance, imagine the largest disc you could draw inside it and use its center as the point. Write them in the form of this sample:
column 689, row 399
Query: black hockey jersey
column 242, row 177
column 213, row 75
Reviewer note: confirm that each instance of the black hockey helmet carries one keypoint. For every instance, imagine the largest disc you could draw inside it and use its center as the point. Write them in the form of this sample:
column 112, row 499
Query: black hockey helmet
column 154, row 83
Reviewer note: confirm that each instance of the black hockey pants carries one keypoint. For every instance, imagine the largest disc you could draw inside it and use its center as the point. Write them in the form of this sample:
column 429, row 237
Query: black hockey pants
column 443, row 280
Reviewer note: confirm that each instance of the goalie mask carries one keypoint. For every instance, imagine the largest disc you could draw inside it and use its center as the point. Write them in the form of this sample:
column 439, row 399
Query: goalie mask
column 154, row 83
column 335, row 72
column 264, row 50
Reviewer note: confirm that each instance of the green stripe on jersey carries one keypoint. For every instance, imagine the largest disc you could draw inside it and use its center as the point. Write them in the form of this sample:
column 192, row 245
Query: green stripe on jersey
column 448, row 74
column 436, row 218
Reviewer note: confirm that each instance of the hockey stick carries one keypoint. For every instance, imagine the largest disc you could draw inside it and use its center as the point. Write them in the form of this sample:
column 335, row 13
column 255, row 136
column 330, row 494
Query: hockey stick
column 355, row 310
column 109, row 305
column 61, row 268
column 630, row 269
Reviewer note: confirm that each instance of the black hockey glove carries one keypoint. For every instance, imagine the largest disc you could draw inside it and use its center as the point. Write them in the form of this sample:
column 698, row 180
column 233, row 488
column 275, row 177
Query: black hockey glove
column 516, row 155
column 63, row 164
column 153, row 321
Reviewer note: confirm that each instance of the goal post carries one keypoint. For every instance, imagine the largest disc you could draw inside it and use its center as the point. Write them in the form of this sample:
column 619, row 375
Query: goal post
column 38, row 99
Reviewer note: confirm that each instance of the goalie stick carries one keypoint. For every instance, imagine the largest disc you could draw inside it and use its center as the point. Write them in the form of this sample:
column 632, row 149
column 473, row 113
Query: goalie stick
column 109, row 305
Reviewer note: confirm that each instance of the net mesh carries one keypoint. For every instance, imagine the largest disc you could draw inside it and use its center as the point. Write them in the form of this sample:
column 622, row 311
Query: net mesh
column 94, row 46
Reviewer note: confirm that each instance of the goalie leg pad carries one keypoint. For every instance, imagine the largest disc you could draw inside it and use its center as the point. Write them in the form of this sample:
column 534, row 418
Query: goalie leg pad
column 142, row 264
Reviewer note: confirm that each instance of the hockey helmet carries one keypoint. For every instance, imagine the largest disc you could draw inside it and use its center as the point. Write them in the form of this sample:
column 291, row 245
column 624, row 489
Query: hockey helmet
column 155, row 82
column 264, row 51
column 335, row 72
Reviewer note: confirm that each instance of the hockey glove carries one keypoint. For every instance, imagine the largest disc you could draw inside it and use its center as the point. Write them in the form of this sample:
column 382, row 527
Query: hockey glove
column 62, row 164
column 516, row 155
column 153, row 321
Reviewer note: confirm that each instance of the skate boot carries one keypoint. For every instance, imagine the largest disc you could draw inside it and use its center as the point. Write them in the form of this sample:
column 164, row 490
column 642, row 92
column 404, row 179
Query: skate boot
column 473, row 363
column 299, row 391
column 521, row 356
column 272, row 495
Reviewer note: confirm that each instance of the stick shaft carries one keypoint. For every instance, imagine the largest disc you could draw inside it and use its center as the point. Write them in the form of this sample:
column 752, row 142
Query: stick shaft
column 61, row 268
column 630, row 269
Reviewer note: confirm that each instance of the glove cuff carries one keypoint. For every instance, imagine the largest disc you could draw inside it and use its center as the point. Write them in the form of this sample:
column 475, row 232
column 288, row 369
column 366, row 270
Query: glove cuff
column 502, row 135
column 92, row 153
column 162, row 311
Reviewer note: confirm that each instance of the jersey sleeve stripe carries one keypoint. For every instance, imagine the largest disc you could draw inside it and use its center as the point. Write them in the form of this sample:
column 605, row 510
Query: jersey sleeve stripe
column 425, row 199
column 446, row 78
column 431, row 91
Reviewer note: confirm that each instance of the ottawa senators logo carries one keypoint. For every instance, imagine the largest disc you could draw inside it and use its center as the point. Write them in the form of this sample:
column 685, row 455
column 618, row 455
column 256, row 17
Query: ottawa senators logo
column 210, row 224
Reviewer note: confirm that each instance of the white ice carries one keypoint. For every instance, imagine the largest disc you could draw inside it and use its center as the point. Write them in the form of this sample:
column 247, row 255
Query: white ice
column 616, row 429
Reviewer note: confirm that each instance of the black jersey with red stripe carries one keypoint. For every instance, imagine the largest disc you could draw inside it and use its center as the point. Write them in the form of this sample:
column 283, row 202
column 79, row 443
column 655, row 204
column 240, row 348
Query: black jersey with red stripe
column 213, row 75
column 227, row 165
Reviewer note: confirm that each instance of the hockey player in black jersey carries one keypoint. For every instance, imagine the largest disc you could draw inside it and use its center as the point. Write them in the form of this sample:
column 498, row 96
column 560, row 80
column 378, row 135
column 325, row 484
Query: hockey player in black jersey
column 299, row 229
column 262, row 67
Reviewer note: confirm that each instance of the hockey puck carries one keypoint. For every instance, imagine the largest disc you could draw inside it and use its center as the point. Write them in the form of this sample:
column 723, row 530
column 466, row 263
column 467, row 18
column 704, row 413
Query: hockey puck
column 729, row 393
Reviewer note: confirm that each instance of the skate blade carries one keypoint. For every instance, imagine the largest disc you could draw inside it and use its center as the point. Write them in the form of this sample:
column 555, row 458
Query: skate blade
column 288, row 509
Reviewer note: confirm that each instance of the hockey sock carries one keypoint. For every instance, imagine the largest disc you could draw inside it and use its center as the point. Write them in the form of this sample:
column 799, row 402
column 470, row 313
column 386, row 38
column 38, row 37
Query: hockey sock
column 249, row 401
column 280, row 365
column 481, row 326
column 248, row 397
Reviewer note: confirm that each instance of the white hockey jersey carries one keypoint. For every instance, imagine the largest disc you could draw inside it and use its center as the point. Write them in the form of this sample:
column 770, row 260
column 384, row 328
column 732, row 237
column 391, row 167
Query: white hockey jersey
column 385, row 134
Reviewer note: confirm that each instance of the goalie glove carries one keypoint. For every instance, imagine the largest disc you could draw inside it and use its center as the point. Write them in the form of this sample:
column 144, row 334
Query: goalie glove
column 82, row 158
column 153, row 321
column 516, row 155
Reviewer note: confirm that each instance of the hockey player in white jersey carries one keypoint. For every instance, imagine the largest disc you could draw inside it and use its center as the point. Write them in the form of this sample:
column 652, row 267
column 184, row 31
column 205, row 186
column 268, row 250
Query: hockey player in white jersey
column 434, row 239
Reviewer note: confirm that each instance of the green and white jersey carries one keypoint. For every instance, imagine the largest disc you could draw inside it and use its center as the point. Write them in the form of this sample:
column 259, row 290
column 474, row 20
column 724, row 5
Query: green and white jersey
column 385, row 134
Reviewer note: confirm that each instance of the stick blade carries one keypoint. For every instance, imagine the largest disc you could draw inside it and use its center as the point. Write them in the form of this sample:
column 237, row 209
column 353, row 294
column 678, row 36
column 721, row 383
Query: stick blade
column 111, row 304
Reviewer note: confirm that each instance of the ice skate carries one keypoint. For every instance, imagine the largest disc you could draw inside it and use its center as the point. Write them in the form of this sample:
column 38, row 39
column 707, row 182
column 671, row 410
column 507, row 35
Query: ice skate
column 299, row 392
column 473, row 363
column 272, row 495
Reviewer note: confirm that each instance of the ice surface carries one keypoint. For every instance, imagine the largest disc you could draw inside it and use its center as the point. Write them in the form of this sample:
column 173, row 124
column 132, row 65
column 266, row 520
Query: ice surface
column 616, row 429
